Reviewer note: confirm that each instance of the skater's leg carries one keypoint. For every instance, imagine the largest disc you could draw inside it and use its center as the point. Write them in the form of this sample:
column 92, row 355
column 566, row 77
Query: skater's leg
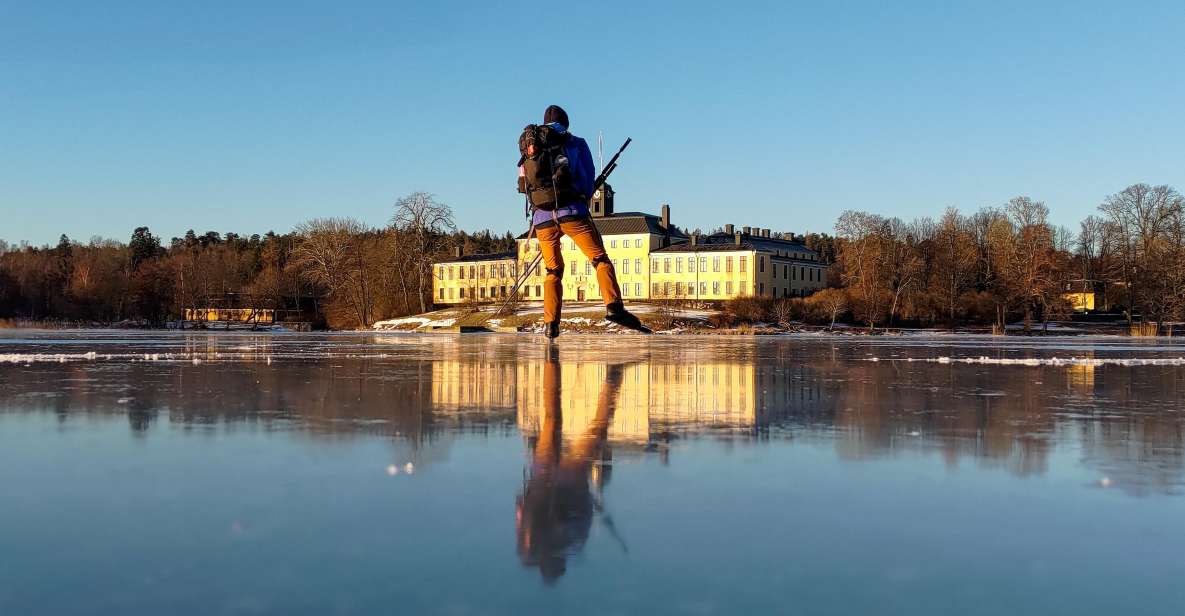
column 553, row 262
column 585, row 235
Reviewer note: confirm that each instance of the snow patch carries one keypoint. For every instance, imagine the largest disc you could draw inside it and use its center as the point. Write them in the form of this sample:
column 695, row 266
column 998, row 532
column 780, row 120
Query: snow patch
column 395, row 323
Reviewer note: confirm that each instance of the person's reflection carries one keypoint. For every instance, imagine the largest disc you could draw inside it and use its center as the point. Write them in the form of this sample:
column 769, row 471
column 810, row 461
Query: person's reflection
column 555, row 510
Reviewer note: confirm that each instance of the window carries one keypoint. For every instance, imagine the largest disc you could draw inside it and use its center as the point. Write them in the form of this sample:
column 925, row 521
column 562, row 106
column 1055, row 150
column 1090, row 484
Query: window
column 461, row 272
column 503, row 288
column 716, row 288
column 666, row 266
column 703, row 264
column 678, row 288
column 654, row 289
column 715, row 264
column 728, row 264
column 654, row 266
column 742, row 264
column 666, row 289
column 637, row 266
column 472, row 271
column 625, row 266
column 638, row 289
column 638, row 243
column 502, row 271
column 462, row 293
column 678, row 266
column 483, row 292
column 691, row 264
column 450, row 273
column 588, row 268
column 613, row 243
column 538, row 291
column 728, row 287
column 450, row 293
column 802, row 273
column 442, row 293
column 793, row 273
column 761, row 265
column 703, row 288
column 691, row 288
column 761, row 289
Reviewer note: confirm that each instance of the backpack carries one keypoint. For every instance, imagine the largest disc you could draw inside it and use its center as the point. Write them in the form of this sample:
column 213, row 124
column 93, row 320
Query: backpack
column 546, row 176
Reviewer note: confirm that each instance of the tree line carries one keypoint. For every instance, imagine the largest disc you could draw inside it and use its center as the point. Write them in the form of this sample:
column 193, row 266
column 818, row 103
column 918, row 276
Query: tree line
column 338, row 271
column 994, row 266
column 1008, row 263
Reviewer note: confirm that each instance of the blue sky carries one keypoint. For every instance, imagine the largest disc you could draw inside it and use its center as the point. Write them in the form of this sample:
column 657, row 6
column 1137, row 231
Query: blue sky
column 253, row 116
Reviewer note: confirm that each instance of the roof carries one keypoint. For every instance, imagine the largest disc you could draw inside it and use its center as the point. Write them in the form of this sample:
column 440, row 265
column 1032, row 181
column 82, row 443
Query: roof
column 628, row 223
column 489, row 256
column 722, row 242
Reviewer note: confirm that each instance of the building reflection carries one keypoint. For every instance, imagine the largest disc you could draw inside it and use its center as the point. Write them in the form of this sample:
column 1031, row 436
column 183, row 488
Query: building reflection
column 423, row 392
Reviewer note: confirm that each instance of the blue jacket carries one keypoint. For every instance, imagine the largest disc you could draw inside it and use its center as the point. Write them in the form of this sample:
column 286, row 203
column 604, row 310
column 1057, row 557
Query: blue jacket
column 584, row 173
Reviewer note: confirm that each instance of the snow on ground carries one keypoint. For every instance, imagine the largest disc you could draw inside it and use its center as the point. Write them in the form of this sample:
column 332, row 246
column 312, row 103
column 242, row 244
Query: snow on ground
column 414, row 322
column 393, row 323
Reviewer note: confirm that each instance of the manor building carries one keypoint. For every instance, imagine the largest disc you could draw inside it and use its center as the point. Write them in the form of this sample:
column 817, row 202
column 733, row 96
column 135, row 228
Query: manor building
column 653, row 258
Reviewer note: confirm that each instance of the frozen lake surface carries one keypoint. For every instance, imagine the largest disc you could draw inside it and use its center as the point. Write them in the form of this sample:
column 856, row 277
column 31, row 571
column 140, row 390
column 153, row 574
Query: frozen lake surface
column 238, row 473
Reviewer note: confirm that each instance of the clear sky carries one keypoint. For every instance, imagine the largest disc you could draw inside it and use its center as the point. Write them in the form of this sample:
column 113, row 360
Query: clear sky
column 250, row 116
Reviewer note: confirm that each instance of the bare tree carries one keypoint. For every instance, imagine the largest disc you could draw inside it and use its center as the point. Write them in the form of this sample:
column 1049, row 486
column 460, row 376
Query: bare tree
column 424, row 225
column 904, row 265
column 1142, row 217
column 335, row 254
column 861, row 256
column 1031, row 265
column 832, row 302
column 954, row 261
column 783, row 311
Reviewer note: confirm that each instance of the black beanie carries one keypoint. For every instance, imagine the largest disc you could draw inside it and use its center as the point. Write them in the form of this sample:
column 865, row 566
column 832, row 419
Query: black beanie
column 555, row 113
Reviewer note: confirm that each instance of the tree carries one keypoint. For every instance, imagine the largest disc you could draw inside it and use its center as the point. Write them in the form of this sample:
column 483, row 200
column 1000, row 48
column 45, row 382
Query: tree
column 422, row 224
column 954, row 259
column 904, row 265
column 1142, row 218
column 861, row 255
column 831, row 302
column 339, row 254
column 144, row 246
column 1031, row 262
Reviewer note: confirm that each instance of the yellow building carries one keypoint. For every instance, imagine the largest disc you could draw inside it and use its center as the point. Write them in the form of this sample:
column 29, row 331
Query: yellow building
column 734, row 263
column 262, row 316
column 473, row 278
column 653, row 260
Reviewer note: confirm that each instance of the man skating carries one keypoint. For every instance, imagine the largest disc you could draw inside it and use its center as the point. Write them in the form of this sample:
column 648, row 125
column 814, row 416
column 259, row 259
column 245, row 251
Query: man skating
column 557, row 175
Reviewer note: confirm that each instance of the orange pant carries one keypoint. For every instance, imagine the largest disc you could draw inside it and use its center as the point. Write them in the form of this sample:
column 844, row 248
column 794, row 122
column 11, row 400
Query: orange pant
column 585, row 235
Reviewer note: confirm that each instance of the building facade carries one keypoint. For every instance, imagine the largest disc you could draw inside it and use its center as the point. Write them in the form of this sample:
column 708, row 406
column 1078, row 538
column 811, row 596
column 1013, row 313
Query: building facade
column 653, row 260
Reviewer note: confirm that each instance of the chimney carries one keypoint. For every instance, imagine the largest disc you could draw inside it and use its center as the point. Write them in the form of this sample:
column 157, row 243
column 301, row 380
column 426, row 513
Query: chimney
column 765, row 233
column 746, row 230
column 666, row 216
column 694, row 239
column 457, row 252
column 728, row 229
column 737, row 237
